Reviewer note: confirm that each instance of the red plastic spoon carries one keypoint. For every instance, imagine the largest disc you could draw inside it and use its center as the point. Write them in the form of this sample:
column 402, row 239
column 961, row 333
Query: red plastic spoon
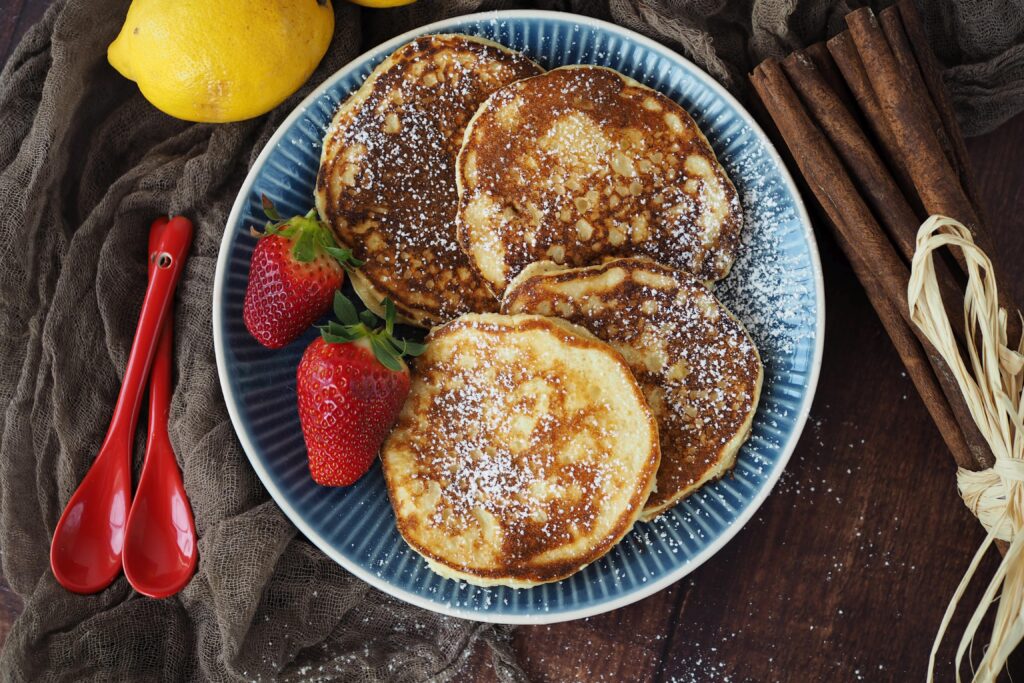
column 86, row 551
column 160, row 542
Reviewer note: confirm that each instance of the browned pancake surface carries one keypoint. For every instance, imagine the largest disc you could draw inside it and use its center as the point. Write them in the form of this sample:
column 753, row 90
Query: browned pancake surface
column 580, row 163
column 387, row 179
column 525, row 450
column 696, row 364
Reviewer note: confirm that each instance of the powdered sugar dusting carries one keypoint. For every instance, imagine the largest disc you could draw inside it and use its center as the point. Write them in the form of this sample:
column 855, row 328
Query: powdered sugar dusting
column 696, row 365
column 581, row 163
column 770, row 287
column 387, row 183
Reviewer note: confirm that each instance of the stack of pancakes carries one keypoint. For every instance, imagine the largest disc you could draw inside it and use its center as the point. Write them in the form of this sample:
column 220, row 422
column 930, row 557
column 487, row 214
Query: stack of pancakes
column 558, row 233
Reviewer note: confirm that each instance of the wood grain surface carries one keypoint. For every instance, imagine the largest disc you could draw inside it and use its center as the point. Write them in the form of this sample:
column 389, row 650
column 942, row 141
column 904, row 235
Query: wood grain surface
column 845, row 572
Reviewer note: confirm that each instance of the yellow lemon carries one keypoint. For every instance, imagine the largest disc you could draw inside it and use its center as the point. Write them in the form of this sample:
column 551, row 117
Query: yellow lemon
column 221, row 61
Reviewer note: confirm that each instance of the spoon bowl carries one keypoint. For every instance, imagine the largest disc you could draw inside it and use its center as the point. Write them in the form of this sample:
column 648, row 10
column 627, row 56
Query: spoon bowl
column 160, row 541
column 86, row 550
column 160, row 544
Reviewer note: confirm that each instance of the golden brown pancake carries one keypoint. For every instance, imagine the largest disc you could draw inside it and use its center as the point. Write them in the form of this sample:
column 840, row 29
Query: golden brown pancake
column 697, row 366
column 582, row 163
column 524, row 452
column 386, row 184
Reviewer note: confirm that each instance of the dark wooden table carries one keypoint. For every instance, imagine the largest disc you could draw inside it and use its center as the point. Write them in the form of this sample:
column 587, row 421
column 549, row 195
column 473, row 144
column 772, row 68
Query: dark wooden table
column 845, row 571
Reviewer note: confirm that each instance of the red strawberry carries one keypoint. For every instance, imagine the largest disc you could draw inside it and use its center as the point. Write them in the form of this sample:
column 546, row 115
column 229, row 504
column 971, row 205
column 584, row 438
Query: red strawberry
column 296, row 267
column 352, row 383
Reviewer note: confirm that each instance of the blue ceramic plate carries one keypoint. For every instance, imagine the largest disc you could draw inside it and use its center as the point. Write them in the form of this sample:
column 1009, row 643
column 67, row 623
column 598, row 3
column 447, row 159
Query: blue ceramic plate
column 775, row 288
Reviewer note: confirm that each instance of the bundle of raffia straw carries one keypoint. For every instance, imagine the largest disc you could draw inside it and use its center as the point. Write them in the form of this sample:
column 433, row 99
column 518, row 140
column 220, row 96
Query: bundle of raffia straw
column 871, row 129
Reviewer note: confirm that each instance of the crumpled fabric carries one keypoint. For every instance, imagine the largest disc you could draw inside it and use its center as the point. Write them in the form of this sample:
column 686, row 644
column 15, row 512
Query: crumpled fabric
column 85, row 165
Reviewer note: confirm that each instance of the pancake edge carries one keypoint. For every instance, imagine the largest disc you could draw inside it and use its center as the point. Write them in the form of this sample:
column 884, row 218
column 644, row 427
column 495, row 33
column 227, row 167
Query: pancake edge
column 728, row 454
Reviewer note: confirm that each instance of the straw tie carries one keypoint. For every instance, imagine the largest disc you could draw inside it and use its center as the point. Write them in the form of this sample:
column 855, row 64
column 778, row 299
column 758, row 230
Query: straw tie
column 990, row 381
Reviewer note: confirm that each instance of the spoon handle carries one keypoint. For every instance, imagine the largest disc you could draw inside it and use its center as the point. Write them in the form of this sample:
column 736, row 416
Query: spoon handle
column 160, row 373
column 168, row 262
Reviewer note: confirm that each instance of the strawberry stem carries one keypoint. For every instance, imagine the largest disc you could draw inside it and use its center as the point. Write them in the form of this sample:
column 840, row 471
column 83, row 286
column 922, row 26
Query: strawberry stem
column 310, row 236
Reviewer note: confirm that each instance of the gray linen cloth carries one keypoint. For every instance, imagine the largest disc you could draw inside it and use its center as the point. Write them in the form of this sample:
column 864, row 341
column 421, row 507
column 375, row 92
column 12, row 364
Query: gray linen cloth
column 85, row 165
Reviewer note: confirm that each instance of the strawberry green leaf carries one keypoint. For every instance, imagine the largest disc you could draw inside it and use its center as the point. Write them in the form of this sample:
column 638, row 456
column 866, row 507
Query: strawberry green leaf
column 269, row 209
column 404, row 347
column 414, row 348
column 344, row 256
column 339, row 330
column 310, row 236
column 345, row 310
column 389, row 316
column 368, row 318
column 324, row 234
column 385, row 354
column 305, row 248
column 333, row 338
column 352, row 325
column 334, row 333
column 282, row 228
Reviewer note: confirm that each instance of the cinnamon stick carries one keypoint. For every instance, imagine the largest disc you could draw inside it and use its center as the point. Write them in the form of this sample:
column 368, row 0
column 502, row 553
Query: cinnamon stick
column 919, row 369
column 892, row 27
column 874, row 261
column 931, row 73
column 857, row 153
column 822, row 59
column 872, row 178
column 844, row 52
column 937, row 184
column 933, row 177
